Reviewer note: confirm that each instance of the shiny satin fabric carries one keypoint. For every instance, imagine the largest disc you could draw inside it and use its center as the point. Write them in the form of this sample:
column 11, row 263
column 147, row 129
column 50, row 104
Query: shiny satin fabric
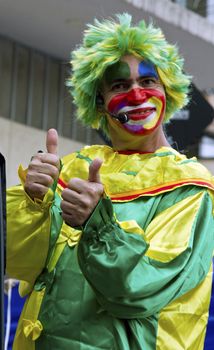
column 117, row 284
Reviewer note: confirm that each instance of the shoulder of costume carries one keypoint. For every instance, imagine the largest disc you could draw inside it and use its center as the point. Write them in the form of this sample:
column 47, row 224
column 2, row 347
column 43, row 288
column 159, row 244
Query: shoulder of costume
column 76, row 164
column 128, row 176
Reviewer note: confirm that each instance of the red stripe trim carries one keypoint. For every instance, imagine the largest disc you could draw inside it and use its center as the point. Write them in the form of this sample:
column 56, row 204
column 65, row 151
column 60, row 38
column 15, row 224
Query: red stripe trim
column 62, row 183
column 161, row 189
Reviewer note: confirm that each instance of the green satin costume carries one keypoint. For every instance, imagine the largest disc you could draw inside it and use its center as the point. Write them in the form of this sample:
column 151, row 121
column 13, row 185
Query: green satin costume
column 137, row 276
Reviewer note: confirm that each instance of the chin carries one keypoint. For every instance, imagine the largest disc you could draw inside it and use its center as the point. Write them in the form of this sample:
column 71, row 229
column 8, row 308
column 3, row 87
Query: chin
column 140, row 130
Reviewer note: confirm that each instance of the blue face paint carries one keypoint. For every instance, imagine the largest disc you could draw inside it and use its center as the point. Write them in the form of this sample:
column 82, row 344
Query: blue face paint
column 147, row 69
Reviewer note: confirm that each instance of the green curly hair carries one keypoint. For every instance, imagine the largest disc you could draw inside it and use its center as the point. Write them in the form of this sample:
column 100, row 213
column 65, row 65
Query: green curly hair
column 104, row 43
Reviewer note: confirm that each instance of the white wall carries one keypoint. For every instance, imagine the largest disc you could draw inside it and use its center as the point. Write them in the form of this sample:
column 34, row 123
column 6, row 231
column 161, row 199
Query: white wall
column 209, row 164
column 19, row 142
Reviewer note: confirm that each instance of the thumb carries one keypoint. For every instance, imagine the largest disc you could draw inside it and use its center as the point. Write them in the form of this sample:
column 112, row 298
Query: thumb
column 94, row 168
column 52, row 141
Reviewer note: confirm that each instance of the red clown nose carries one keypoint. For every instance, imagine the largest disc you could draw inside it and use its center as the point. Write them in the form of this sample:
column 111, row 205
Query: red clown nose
column 136, row 96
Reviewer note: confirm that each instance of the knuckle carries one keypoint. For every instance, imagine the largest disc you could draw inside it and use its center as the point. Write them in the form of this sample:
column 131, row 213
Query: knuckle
column 29, row 178
column 31, row 165
column 92, row 191
column 54, row 159
column 34, row 164
column 86, row 203
column 65, row 193
column 95, row 192
column 37, row 158
column 73, row 182
column 50, row 181
column 40, row 191
column 70, row 184
column 55, row 172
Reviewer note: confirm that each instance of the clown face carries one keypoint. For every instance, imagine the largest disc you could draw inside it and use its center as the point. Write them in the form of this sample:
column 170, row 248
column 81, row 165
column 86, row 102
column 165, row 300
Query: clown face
column 132, row 86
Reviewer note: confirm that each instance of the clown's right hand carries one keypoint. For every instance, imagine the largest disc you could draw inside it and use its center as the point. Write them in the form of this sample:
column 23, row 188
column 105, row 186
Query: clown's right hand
column 43, row 168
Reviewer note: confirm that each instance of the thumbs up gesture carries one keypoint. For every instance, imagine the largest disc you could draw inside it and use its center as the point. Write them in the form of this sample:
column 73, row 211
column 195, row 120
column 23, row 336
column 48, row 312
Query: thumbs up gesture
column 82, row 196
column 43, row 168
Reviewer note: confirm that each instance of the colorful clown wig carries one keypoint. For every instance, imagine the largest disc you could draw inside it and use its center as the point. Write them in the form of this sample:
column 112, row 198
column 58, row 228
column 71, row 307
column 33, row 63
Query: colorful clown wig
column 104, row 43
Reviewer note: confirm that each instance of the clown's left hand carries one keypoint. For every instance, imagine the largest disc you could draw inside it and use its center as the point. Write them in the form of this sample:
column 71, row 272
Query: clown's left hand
column 81, row 196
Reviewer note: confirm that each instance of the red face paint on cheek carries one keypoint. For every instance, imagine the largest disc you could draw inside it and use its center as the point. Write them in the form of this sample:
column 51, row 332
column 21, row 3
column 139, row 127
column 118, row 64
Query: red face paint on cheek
column 117, row 102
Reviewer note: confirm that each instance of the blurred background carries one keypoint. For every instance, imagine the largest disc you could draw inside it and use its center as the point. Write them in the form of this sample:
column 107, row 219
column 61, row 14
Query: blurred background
column 36, row 37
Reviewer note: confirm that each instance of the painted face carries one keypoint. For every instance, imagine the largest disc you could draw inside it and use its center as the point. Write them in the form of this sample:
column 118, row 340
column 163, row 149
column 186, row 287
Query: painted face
column 133, row 87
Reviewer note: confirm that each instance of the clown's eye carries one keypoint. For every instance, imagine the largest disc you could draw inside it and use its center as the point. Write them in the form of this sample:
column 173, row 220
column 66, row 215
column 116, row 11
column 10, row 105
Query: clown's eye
column 120, row 86
column 148, row 82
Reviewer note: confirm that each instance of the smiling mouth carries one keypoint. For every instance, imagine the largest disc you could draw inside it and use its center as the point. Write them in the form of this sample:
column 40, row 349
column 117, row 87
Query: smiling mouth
column 141, row 113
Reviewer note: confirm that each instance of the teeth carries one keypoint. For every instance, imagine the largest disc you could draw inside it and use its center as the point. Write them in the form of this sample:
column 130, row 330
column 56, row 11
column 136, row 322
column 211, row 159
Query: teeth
column 142, row 112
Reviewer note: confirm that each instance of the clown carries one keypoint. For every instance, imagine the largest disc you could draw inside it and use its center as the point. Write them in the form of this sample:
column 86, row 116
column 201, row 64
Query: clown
column 114, row 244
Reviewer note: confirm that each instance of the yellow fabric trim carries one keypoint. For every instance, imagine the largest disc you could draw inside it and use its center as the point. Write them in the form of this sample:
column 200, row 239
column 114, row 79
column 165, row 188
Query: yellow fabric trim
column 68, row 235
column 29, row 327
column 169, row 232
column 179, row 318
column 127, row 174
column 132, row 227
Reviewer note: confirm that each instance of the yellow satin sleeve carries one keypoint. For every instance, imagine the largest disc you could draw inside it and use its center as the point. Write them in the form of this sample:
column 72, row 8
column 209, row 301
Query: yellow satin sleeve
column 28, row 231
